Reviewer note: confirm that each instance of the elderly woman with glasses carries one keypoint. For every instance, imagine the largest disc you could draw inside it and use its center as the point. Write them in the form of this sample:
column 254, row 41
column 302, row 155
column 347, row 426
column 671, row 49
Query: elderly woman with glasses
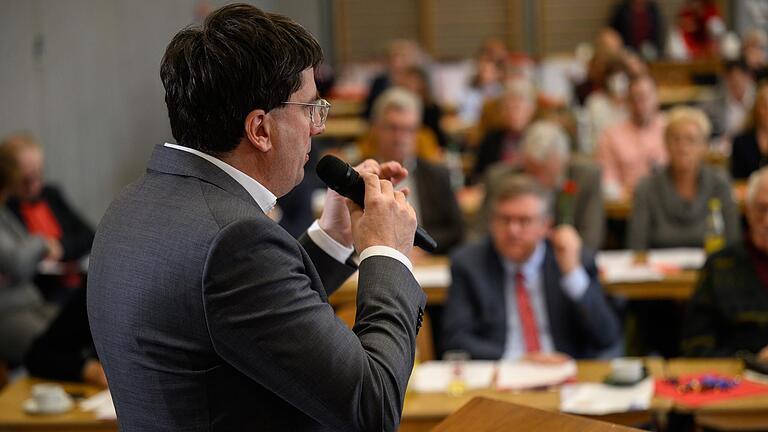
column 670, row 207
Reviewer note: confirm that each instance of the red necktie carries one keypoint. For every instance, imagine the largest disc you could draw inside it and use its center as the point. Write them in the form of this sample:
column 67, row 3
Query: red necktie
column 527, row 315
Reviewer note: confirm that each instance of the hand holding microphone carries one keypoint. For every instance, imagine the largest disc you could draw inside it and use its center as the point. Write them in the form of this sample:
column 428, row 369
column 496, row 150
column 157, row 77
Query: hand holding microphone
column 388, row 220
column 342, row 178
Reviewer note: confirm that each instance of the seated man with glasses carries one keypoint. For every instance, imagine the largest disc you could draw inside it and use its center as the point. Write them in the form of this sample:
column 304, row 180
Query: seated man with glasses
column 527, row 290
column 396, row 120
column 728, row 312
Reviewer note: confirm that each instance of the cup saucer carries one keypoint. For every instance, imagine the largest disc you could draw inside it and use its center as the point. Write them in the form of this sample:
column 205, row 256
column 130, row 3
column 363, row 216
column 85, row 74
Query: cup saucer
column 31, row 407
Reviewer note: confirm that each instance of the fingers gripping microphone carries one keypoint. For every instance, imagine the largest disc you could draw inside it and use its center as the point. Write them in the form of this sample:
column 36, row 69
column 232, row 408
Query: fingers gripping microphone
column 342, row 178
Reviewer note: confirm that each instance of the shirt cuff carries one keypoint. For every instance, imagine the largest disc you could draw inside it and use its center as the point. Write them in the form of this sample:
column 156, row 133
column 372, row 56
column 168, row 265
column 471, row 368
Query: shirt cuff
column 388, row 252
column 575, row 283
column 336, row 250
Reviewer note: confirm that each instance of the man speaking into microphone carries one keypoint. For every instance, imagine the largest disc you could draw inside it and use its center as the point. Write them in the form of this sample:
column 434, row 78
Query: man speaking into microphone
column 206, row 315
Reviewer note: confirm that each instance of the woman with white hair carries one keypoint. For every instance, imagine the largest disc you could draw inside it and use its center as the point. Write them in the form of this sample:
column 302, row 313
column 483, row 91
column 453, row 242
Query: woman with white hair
column 670, row 207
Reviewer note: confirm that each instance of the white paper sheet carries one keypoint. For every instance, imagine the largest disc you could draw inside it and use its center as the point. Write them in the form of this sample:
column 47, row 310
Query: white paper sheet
column 520, row 375
column 619, row 266
column 438, row 276
column 435, row 376
column 101, row 405
column 684, row 258
column 599, row 399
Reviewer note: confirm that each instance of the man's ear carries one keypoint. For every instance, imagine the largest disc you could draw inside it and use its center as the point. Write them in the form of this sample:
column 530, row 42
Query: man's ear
column 257, row 131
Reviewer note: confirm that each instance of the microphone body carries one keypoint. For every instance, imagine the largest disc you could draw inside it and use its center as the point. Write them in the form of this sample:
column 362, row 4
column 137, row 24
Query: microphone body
column 342, row 178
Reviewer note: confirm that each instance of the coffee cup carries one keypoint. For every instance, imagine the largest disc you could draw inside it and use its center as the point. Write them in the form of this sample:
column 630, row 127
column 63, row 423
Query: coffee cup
column 49, row 398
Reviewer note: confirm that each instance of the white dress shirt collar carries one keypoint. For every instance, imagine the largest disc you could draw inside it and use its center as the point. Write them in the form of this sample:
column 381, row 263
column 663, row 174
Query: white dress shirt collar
column 263, row 197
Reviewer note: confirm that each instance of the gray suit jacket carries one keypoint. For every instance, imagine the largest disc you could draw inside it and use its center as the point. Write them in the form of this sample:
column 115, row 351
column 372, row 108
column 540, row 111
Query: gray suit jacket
column 208, row 316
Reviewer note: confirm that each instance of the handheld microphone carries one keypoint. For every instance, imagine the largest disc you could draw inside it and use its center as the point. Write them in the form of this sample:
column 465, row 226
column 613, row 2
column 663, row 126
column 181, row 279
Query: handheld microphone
column 341, row 177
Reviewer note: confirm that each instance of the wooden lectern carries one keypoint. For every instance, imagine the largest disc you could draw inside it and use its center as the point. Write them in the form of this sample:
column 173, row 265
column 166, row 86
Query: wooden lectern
column 482, row 414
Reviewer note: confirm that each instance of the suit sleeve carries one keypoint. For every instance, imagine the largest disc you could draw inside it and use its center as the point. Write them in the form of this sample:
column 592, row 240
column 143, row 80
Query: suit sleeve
column 731, row 214
column 598, row 321
column 266, row 320
column 460, row 319
column 332, row 272
column 639, row 229
column 592, row 220
column 450, row 230
column 19, row 259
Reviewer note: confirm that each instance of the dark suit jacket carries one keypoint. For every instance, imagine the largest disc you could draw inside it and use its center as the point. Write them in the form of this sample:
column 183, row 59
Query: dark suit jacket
column 208, row 316
column 588, row 209
column 475, row 316
column 490, row 151
column 440, row 212
column 746, row 157
column 77, row 235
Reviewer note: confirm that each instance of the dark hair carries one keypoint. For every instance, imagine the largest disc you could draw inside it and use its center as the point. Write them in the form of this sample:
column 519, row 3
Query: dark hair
column 512, row 185
column 241, row 59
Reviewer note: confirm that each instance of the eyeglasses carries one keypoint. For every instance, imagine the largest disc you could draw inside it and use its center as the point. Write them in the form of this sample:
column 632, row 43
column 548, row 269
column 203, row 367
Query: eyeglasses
column 318, row 111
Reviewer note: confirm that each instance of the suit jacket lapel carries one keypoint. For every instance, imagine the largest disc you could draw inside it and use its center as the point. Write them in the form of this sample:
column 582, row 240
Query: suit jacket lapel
column 495, row 272
column 552, row 293
column 177, row 162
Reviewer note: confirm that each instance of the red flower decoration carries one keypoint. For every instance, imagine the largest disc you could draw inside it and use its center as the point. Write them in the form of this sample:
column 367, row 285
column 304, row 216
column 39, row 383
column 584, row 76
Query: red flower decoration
column 570, row 187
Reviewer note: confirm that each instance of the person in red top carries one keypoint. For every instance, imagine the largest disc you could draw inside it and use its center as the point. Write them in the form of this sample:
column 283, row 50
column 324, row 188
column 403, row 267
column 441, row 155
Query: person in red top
column 700, row 24
column 43, row 210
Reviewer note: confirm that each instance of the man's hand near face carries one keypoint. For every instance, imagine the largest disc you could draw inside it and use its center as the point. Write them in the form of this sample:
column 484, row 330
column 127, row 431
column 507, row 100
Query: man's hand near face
column 567, row 247
column 335, row 220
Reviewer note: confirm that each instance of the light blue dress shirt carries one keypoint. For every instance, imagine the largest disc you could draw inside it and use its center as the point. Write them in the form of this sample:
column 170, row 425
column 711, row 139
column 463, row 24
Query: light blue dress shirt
column 574, row 284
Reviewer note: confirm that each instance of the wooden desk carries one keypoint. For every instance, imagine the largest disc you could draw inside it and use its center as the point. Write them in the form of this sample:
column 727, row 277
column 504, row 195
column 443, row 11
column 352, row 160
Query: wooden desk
column 483, row 414
column 422, row 411
column 13, row 418
column 679, row 286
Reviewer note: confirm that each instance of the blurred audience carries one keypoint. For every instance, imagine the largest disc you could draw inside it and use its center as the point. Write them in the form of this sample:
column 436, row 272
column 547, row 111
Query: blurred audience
column 66, row 351
column 574, row 182
column 43, row 210
column 417, row 81
column 485, row 85
column 23, row 313
column 697, row 31
column 395, row 123
column 517, row 107
column 607, row 47
column 754, row 49
column 750, row 149
column 641, row 26
column 728, row 312
column 631, row 149
column 735, row 97
column 401, row 54
column 607, row 105
column 670, row 207
column 526, row 289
